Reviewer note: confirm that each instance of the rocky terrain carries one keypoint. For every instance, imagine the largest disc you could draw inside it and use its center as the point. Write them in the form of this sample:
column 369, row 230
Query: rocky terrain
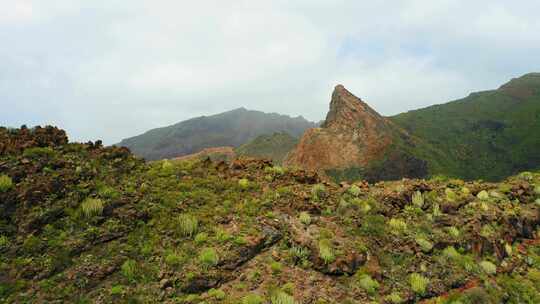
column 232, row 129
column 83, row 223
column 355, row 138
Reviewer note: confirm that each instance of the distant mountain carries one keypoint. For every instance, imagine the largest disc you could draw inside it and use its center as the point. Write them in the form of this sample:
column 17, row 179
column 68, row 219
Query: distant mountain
column 357, row 142
column 232, row 128
column 274, row 147
column 488, row 135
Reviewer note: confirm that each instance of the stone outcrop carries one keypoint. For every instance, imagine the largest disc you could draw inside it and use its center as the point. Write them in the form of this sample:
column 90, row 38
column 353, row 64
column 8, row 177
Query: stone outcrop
column 355, row 136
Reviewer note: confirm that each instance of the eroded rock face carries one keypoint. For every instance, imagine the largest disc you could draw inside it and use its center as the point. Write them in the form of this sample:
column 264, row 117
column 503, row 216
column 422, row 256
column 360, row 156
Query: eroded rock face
column 353, row 136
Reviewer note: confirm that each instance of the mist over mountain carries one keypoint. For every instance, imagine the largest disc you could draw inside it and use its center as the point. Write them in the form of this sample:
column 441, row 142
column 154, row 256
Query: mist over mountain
column 232, row 128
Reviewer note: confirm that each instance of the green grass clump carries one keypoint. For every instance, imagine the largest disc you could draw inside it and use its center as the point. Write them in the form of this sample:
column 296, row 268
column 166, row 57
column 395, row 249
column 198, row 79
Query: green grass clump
column 187, row 225
column 38, row 152
column 208, row 257
column 243, row 183
column 173, row 259
column 418, row 199
column 252, row 299
column 201, row 237
column 305, row 218
column 318, row 191
column 280, row 297
column 5, row 183
column 488, row 267
column 326, row 252
column 355, row 190
column 397, row 226
column 276, row 267
column 117, row 290
column 483, row 195
column 418, row 283
column 453, row 232
column 299, row 254
column 368, row 284
column 424, row 244
column 129, row 269
column 393, row 298
column 217, row 294
column 4, row 242
column 92, row 207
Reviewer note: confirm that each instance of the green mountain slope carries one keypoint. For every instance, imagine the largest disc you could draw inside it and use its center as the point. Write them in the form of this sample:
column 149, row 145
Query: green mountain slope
column 486, row 135
column 274, row 147
column 80, row 223
column 232, row 128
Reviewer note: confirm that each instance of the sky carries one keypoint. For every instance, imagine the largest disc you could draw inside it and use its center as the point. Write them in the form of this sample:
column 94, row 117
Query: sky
column 111, row 69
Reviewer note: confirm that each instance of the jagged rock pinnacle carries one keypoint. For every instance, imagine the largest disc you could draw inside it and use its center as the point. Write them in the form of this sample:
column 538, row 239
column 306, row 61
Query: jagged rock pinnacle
column 347, row 109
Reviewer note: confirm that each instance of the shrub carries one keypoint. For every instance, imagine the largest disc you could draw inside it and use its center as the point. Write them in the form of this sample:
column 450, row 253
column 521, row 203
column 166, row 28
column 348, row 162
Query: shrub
column 252, row 299
column 326, row 252
column 280, row 297
column 5, row 183
column 397, row 226
column 418, row 199
column 368, row 284
column 208, row 257
column 305, row 218
column 92, row 207
column 424, row 244
column 187, row 225
column 128, row 270
column 488, row 267
column 418, row 283
column 355, row 190
column 537, row 190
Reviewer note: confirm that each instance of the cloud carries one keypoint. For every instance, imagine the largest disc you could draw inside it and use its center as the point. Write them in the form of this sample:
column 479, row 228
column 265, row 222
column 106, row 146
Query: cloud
column 112, row 69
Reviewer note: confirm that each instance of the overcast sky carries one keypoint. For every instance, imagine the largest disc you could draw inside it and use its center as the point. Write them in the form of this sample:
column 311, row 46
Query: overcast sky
column 110, row 69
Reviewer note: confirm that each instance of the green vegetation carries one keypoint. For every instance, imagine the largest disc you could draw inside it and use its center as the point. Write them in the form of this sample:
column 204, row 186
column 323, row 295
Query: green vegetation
column 487, row 135
column 418, row 283
column 5, row 183
column 274, row 147
column 187, row 225
column 187, row 232
column 208, row 257
column 305, row 218
column 92, row 207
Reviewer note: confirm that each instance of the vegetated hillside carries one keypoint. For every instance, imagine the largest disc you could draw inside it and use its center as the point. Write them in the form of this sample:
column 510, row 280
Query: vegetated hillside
column 80, row 223
column 488, row 135
column 355, row 142
column 274, row 147
column 232, row 128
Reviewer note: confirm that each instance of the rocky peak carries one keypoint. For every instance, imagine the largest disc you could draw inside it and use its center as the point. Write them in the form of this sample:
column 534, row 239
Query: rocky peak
column 347, row 110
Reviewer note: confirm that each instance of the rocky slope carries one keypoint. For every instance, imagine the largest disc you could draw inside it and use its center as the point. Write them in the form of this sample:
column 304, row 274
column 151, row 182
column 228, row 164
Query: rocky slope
column 232, row 128
column 80, row 223
column 354, row 138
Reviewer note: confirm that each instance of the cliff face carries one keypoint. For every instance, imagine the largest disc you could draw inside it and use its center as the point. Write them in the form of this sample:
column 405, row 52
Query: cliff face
column 356, row 137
